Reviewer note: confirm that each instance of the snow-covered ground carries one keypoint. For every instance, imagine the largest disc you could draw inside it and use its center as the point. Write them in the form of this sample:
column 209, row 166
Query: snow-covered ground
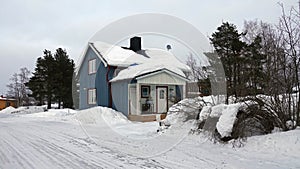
column 102, row 138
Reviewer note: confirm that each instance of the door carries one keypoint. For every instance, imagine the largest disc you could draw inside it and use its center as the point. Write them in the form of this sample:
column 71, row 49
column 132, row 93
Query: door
column 162, row 99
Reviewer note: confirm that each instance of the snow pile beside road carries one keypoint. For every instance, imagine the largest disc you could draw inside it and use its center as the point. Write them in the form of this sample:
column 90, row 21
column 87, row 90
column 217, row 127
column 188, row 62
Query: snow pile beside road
column 29, row 110
column 7, row 110
column 287, row 143
column 100, row 115
column 54, row 113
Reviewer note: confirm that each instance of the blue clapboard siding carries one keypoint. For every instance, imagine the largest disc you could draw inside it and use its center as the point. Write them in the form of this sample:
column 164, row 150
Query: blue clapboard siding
column 86, row 81
column 98, row 80
column 104, row 74
column 120, row 96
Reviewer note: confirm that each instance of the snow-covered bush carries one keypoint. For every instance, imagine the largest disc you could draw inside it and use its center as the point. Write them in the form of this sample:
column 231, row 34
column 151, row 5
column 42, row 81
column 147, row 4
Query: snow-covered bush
column 235, row 121
column 185, row 110
column 252, row 120
column 225, row 122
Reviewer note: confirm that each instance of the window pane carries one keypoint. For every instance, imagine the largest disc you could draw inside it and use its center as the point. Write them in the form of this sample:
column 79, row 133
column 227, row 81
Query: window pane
column 92, row 66
column 161, row 94
column 92, row 96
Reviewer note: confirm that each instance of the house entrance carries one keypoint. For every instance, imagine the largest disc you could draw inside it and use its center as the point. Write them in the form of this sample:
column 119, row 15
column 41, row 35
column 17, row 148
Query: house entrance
column 162, row 99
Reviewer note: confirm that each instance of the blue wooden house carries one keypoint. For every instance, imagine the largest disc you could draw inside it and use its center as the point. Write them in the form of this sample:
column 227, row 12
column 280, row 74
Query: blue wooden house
column 140, row 83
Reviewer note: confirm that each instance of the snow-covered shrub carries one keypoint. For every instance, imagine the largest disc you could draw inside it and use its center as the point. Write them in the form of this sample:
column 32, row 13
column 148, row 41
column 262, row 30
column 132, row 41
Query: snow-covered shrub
column 235, row 121
column 204, row 114
column 252, row 121
column 184, row 110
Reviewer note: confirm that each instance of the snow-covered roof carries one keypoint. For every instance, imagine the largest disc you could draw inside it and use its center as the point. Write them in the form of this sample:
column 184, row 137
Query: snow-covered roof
column 5, row 98
column 116, row 55
column 145, row 61
column 152, row 60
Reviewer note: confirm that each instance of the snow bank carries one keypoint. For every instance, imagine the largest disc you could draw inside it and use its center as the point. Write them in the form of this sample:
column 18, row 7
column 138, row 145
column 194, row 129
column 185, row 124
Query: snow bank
column 7, row 110
column 287, row 143
column 54, row 113
column 29, row 110
column 100, row 115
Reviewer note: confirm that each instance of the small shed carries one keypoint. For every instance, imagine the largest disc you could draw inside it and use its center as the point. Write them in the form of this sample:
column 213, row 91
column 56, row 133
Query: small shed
column 6, row 102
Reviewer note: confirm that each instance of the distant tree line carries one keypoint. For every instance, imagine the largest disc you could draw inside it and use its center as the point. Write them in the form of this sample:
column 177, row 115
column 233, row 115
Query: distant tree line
column 52, row 79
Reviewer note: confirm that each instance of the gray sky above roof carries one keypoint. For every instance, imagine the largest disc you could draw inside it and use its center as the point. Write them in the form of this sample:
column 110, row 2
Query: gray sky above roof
column 28, row 27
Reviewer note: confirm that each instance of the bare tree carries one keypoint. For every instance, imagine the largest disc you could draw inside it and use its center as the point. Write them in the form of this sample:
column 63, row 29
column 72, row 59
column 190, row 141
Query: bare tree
column 197, row 71
column 14, row 88
column 17, row 88
column 289, row 29
column 24, row 78
column 199, row 77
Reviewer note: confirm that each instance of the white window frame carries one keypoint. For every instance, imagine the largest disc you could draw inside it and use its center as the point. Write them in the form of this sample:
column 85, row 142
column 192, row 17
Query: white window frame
column 92, row 66
column 92, row 96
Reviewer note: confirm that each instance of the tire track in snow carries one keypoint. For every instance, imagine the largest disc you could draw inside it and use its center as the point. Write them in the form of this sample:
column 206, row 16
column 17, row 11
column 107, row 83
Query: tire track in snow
column 21, row 159
column 59, row 155
column 40, row 146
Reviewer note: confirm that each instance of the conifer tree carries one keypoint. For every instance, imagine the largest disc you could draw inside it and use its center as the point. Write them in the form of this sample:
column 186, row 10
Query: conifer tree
column 52, row 79
column 227, row 43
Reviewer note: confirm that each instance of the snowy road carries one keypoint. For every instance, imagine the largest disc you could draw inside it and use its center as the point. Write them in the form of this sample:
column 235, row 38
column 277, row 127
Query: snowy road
column 50, row 142
column 41, row 144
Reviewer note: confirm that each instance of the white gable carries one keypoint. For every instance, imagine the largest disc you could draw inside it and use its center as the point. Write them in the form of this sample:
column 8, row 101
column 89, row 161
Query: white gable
column 142, row 69
column 162, row 77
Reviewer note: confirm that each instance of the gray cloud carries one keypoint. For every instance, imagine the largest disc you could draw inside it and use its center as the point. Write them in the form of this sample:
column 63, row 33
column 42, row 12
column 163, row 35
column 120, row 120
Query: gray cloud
column 28, row 27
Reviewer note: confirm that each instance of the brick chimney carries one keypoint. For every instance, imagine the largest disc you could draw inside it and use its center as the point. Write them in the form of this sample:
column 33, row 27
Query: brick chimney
column 135, row 43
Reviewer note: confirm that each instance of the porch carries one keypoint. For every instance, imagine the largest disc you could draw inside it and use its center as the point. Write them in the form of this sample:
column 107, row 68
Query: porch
column 147, row 117
column 151, row 102
column 148, row 97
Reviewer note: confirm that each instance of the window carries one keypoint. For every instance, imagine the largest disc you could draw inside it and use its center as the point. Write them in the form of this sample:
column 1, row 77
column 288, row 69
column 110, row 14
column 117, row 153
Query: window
column 145, row 91
column 92, row 96
column 161, row 94
column 92, row 66
column 7, row 104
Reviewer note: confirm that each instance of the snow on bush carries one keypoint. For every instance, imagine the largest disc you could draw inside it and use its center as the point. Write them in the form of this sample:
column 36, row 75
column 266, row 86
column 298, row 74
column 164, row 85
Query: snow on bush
column 217, row 110
column 228, row 115
column 205, row 112
column 184, row 110
column 100, row 115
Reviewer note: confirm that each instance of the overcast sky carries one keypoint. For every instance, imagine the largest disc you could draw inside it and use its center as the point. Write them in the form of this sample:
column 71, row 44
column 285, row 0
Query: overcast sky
column 30, row 26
